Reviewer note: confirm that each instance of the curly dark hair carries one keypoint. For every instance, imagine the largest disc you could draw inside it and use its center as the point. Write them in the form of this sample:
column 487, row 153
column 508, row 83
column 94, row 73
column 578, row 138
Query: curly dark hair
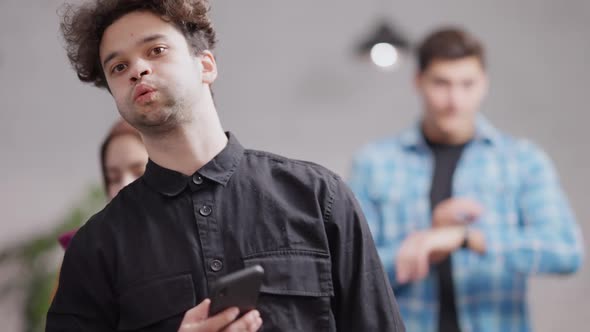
column 83, row 26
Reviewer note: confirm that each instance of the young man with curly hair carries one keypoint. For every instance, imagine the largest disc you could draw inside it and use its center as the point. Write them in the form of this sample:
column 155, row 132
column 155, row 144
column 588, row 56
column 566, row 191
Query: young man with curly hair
column 205, row 206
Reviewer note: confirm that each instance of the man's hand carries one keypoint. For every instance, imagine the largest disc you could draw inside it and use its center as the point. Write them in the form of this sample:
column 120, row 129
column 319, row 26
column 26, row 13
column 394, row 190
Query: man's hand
column 422, row 248
column 443, row 241
column 197, row 320
column 456, row 211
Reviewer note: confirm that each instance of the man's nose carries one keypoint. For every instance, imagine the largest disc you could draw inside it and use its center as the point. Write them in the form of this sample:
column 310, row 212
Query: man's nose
column 140, row 69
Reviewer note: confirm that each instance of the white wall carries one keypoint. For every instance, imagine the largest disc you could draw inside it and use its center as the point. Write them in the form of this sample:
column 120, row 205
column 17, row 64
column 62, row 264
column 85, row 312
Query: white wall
column 290, row 83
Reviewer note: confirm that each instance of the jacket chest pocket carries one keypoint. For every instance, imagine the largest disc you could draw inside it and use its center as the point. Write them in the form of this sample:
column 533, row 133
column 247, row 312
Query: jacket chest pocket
column 156, row 305
column 296, row 290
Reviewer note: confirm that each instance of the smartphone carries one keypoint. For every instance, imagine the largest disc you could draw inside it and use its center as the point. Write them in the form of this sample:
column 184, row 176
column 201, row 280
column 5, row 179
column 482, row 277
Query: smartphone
column 238, row 289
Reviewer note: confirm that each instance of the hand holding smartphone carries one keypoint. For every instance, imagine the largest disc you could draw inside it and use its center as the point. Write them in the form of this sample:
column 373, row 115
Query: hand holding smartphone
column 238, row 289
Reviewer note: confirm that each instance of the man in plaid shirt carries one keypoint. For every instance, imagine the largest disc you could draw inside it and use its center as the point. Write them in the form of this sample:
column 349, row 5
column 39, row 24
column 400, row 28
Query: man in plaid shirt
column 462, row 214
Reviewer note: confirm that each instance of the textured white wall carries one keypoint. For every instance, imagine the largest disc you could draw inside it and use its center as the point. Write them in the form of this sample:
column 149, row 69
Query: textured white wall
column 289, row 83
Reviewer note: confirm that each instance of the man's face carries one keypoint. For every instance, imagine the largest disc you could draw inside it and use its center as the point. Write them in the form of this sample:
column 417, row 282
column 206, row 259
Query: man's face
column 452, row 92
column 153, row 74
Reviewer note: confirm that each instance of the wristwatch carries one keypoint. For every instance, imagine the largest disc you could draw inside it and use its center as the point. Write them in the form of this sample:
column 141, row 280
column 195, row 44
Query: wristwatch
column 465, row 243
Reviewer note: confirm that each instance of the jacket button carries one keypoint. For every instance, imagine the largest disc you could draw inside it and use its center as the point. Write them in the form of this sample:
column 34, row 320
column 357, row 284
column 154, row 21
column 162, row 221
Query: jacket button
column 205, row 210
column 216, row 265
column 197, row 179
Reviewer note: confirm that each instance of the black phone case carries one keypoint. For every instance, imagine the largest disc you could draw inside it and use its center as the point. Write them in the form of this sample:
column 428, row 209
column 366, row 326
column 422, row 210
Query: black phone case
column 238, row 289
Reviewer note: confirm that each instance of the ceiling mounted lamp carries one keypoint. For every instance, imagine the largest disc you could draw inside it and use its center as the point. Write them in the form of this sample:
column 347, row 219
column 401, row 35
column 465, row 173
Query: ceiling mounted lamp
column 385, row 46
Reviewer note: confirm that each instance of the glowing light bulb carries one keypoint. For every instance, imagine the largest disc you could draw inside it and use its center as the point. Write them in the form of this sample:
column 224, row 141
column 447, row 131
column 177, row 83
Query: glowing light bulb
column 384, row 55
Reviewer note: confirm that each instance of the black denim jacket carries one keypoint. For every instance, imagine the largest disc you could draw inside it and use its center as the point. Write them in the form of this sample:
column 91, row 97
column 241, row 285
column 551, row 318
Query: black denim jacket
column 153, row 252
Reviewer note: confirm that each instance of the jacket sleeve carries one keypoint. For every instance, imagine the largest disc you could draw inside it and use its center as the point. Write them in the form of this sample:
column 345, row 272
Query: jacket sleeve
column 84, row 300
column 364, row 300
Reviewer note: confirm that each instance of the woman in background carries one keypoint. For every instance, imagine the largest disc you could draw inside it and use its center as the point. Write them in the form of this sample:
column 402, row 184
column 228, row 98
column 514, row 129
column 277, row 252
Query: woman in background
column 122, row 159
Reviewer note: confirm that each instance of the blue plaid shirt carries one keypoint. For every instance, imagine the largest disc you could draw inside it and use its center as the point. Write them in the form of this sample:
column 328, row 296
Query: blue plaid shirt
column 528, row 225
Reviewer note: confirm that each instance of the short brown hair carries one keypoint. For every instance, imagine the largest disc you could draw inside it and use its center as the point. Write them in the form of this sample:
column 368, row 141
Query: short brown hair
column 449, row 44
column 83, row 26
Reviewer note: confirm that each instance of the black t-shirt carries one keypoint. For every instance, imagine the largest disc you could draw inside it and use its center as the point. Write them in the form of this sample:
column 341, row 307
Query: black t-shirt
column 446, row 158
column 155, row 250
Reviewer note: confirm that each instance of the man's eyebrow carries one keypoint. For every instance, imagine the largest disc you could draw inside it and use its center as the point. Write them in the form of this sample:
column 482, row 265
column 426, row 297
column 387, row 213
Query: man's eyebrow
column 151, row 38
column 109, row 57
column 147, row 39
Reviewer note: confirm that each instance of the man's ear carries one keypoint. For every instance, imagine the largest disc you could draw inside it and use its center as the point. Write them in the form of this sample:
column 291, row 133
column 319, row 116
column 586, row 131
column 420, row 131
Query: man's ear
column 209, row 67
column 418, row 81
column 486, row 85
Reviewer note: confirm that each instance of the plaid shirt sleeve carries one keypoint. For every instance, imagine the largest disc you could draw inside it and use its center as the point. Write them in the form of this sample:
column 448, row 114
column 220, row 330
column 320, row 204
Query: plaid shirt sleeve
column 360, row 178
column 549, row 240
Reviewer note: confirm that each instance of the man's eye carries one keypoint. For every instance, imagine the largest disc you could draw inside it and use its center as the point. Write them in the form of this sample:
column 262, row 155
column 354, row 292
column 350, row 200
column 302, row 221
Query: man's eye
column 158, row 50
column 467, row 84
column 118, row 68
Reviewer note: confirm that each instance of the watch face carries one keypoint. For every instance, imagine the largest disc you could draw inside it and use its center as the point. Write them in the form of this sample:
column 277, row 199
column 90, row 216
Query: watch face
column 465, row 243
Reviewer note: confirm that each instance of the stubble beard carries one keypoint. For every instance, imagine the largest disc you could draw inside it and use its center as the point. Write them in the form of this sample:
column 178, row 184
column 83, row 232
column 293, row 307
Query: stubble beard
column 166, row 115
